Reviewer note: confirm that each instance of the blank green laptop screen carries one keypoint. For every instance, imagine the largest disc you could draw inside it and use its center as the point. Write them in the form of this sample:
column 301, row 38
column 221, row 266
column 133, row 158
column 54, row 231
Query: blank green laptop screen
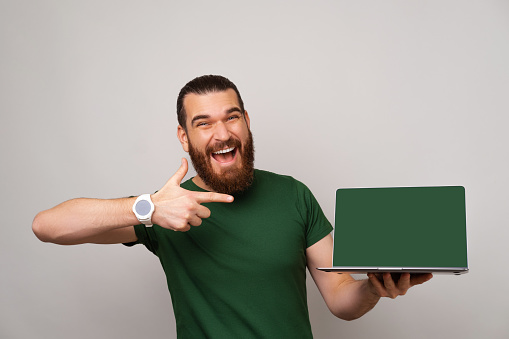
column 400, row 227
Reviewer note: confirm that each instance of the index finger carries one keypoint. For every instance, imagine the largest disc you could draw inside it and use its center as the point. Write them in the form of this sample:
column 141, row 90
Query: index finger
column 203, row 197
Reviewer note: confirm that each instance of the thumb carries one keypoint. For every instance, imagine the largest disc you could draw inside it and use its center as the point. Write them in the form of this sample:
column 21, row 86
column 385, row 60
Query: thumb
column 176, row 179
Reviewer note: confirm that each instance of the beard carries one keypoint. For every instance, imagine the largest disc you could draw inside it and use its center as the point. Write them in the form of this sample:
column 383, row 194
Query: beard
column 230, row 181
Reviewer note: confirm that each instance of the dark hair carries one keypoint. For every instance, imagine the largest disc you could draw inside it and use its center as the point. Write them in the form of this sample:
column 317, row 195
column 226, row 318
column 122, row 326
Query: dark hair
column 203, row 85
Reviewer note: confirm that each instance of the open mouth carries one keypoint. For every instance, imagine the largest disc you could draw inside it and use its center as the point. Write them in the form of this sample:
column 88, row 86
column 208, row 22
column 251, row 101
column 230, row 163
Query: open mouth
column 225, row 155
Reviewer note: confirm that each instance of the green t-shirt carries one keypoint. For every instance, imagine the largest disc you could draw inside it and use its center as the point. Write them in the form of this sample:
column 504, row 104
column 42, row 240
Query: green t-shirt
column 242, row 273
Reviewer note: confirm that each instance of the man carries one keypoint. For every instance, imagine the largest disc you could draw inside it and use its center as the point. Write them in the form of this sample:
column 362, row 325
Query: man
column 242, row 273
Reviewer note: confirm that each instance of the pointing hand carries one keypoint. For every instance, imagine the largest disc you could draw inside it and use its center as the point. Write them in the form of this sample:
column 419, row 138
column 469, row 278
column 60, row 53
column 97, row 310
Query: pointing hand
column 178, row 209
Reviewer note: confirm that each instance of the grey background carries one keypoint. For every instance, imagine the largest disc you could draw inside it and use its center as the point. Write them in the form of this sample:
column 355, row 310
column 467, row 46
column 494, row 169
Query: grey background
column 340, row 94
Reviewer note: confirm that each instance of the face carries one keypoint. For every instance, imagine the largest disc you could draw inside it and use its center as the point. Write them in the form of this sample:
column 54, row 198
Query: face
column 219, row 141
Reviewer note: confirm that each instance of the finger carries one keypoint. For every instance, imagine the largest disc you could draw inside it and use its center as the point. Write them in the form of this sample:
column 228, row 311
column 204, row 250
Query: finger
column 194, row 221
column 379, row 289
column 417, row 279
column 388, row 281
column 202, row 212
column 183, row 228
column 390, row 286
column 176, row 179
column 404, row 283
column 204, row 197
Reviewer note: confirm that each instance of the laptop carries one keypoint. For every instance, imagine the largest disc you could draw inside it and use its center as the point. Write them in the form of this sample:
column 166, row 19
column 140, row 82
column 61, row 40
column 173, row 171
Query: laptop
column 400, row 229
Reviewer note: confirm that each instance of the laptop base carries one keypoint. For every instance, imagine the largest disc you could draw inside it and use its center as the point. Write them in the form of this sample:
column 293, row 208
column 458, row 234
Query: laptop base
column 434, row 270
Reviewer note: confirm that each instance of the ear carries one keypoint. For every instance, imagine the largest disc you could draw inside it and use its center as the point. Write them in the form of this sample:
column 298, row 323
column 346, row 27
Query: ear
column 246, row 117
column 182, row 136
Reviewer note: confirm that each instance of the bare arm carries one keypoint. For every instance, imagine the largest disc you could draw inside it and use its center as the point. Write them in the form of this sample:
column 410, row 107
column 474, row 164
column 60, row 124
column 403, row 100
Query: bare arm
column 346, row 297
column 100, row 221
column 83, row 220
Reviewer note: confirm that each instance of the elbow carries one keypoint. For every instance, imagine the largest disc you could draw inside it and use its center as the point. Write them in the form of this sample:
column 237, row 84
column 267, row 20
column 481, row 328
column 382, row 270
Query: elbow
column 39, row 228
column 348, row 315
column 47, row 230
column 44, row 229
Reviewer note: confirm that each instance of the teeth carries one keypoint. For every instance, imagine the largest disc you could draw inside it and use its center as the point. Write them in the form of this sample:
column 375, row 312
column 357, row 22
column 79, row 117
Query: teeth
column 225, row 150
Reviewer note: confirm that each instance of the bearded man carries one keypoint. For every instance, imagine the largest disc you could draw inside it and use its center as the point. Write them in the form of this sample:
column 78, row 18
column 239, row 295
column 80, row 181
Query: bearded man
column 242, row 272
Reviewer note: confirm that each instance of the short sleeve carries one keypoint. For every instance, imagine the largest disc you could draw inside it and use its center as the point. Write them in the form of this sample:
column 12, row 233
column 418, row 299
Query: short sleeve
column 146, row 236
column 317, row 225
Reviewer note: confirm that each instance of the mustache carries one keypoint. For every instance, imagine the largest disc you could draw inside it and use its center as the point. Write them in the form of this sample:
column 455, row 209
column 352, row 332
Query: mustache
column 224, row 144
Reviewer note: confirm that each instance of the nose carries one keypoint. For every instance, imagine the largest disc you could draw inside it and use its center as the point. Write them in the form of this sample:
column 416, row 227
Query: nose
column 221, row 132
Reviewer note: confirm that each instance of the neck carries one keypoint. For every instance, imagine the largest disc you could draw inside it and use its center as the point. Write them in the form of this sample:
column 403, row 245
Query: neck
column 201, row 184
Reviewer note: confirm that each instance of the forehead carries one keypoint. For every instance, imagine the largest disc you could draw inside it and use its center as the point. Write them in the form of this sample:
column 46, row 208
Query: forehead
column 210, row 103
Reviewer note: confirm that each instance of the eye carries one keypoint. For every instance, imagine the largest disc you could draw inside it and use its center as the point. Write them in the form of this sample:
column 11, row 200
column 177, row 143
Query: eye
column 232, row 117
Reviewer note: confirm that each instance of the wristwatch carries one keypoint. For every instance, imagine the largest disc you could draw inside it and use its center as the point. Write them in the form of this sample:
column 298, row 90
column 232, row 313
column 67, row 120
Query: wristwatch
column 143, row 208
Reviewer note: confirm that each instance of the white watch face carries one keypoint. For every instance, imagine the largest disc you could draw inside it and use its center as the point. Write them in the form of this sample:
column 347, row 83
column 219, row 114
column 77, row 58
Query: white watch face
column 143, row 207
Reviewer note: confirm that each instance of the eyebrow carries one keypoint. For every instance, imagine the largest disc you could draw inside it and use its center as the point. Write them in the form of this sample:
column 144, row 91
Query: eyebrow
column 206, row 116
column 233, row 109
column 198, row 117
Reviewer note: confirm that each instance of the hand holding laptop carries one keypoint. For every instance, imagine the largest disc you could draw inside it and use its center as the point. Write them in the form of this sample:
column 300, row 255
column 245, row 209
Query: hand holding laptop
column 396, row 284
